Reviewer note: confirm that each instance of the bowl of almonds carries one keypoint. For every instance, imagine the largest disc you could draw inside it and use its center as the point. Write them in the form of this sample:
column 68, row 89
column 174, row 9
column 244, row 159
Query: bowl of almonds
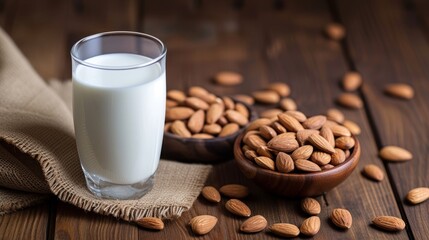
column 202, row 127
column 295, row 156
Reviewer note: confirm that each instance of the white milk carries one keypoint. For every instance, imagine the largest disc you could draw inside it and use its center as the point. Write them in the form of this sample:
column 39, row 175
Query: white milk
column 119, row 118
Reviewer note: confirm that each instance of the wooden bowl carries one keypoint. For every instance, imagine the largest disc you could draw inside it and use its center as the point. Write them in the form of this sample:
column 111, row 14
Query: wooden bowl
column 195, row 150
column 296, row 184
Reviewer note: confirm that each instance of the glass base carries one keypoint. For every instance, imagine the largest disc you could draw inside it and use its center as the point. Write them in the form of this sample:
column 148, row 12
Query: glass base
column 110, row 190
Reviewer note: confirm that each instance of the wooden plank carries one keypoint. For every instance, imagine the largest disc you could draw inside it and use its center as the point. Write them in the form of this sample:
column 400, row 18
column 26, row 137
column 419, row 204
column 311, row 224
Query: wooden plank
column 388, row 45
column 308, row 62
column 29, row 223
column 75, row 223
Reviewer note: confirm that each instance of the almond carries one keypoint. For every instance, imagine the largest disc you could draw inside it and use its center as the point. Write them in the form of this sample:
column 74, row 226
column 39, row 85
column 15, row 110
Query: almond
column 321, row 143
column 418, row 195
column 352, row 81
column 167, row 127
column 222, row 121
column 342, row 218
column 258, row 123
column 202, row 136
column 234, row 191
column 176, row 95
column 229, row 129
column 203, row 224
column 197, row 91
column 340, row 131
column 303, row 135
column 307, row 166
column 352, row 127
column 310, row 206
column 389, row 223
column 282, row 89
column 284, row 163
column 213, row 129
column 338, row 157
column 350, row 100
column 373, row 172
column 289, row 122
column 314, row 122
column 283, row 143
column 196, row 121
column 170, row 103
column 297, row 114
column 399, row 90
column 284, row 230
column 335, row 115
column 196, row 103
column 394, row 153
column 239, row 107
column 265, row 162
column 310, row 226
column 327, row 166
column 254, row 224
column 236, row 117
column 238, row 208
column 152, row 223
column 254, row 141
column 211, row 194
column 245, row 98
column 278, row 127
column 347, row 153
column 250, row 154
column 320, row 158
column 271, row 113
column 229, row 103
column 303, row 152
column 344, row 143
column 288, row 104
column 178, row 113
column 330, row 123
column 335, row 31
column 228, row 78
column 267, row 132
column 327, row 134
column 266, row 96
column 179, row 128
column 214, row 112
column 264, row 151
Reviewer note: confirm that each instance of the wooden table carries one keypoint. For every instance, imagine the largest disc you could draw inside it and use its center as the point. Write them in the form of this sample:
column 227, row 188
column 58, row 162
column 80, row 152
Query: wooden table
column 267, row 41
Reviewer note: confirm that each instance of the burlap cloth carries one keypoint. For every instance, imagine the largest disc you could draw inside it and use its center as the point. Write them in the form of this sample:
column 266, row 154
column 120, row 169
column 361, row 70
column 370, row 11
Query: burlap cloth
column 38, row 155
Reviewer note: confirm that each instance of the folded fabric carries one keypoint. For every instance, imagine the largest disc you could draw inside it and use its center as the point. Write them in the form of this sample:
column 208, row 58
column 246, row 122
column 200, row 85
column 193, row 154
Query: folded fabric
column 38, row 155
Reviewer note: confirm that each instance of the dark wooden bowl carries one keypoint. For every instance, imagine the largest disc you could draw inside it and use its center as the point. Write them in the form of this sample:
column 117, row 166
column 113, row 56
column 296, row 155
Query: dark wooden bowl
column 296, row 184
column 194, row 150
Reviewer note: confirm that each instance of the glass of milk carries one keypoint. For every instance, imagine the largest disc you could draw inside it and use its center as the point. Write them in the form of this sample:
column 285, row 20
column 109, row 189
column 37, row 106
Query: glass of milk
column 119, row 92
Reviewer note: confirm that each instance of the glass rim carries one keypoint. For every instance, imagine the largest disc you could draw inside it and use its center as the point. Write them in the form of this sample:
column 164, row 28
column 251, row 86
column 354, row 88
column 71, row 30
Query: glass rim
column 130, row 33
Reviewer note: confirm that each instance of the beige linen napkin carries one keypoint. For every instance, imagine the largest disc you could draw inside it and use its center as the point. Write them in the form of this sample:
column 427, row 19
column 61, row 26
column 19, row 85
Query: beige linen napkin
column 38, row 155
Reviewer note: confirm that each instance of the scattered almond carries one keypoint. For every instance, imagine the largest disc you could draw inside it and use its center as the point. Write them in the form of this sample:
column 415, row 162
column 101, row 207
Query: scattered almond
column 282, row 89
column 284, row 230
column 152, row 223
column 335, row 31
column 211, row 194
column 341, row 218
column 288, row 104
column 238, row 208
column 310, row 226
column 350, row 100
column 310, row 206
column 203, row 224
column 389, row 223
column 418, row 195
column 266, row 96
column 335, row 115
column 254, row 224
column 234, row 191
column 352, row 81
column 228, row 78
column 395, row 154
column 399, row 90
column 373, row 172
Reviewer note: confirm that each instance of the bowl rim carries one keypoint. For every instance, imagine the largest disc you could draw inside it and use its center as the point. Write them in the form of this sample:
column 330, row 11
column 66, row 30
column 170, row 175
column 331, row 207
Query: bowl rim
column 354, row 156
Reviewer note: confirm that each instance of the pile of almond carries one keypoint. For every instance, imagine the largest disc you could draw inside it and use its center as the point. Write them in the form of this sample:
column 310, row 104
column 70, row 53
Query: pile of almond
column 201, row 114
column 292, row 142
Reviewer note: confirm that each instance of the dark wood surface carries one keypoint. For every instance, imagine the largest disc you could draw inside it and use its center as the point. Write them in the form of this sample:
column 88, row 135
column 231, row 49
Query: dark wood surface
column 267, row 41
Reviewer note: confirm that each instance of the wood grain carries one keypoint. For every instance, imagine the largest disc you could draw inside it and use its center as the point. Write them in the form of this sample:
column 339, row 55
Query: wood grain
column 389, row 46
